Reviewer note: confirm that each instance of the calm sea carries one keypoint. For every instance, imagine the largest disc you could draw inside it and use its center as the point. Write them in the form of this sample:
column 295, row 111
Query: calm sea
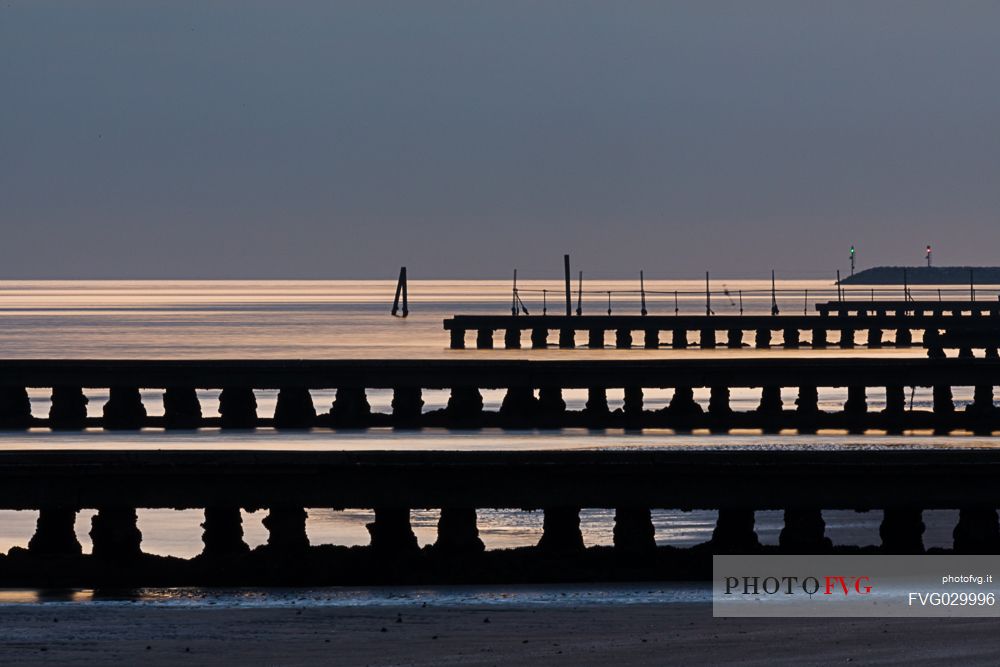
column 350, row 319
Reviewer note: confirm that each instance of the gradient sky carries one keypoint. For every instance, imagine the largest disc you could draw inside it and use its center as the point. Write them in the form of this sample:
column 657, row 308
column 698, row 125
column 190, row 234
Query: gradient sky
column 463, row 139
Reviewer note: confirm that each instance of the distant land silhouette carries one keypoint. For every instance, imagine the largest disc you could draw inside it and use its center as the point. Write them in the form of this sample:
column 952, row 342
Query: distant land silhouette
column 925, row 275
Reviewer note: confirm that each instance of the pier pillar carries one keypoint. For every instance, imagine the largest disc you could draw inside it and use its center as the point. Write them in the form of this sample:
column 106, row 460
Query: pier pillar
column 595, row 339
column 895, row 400
column 770, row 401
column 54, row 533
column 771, row 409
column 465, row 403
column 115, row 535
column 124, row 409
column 932, row 341
column 238, row 407
column 407, row 406
column 634, row 534
column 792, row 339
column 651, row 339
column 965, row 353
column 856, row 405
column 943, row 401
column 222, row 532
column 458, row 339
column 819, row 338
column 539, row 338
column 350, row 408
column 457, row 532
column 632, row 406
column 512, row 338
column 734, row 532
column 518, row 404
column 623, row 339
column 294, row 408
column 550, row 401
column 15, row 408
column 391, row 534
column 597, row 403
column 707, row 339
column 561, row 530
column 484, row 339
column 977, row 531
column 992, row 353
column 682, row 404
column 902, row 531
column 734, row 338
column 846, row 338
column 679, row 339
column 874, row 338
column 807, row 402
column 904, row 337
column 807, row 409
column 762, row 339
column 181, row 408
column 982, row 400
column 286, row 528
column 567, row 339
column 803, row 532
column 69, row 409
column 718, row 401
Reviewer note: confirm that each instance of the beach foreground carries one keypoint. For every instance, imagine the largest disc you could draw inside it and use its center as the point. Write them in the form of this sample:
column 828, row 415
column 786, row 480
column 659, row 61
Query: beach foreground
column 489, row 635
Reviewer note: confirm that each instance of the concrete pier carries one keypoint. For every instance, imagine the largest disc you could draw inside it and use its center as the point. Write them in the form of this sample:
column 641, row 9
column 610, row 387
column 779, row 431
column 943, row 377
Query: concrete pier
column 967, row 328
column 71, row 381
column 632, row 483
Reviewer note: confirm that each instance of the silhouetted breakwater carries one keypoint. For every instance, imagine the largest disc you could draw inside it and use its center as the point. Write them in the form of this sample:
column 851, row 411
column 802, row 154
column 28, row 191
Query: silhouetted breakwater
column 935, row 324
column 737, row 483
column 533, row 393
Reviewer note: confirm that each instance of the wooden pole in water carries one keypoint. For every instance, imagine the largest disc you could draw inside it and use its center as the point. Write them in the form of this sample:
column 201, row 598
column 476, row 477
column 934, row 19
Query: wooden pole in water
column 513, row 297
column 579, row 296
column 840, row 295
column 569, row 296
column 774, row 297
column 708, row 297
column 399, row 290
column 406, row 299
column 642, row 292
column 972, row 286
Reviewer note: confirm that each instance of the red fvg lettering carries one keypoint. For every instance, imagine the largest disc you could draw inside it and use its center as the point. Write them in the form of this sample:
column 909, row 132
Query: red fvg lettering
column 847, row 585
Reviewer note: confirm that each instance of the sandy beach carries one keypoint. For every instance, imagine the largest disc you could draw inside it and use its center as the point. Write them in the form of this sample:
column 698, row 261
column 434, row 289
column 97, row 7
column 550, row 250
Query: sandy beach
column 488, row 635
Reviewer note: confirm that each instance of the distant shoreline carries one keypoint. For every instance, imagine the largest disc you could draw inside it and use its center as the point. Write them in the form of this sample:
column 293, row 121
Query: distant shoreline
column 925, row 275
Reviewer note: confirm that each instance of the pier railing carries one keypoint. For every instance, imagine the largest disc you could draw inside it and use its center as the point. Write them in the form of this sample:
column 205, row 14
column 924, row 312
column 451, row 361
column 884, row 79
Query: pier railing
column 737, row 483
column 533, row 393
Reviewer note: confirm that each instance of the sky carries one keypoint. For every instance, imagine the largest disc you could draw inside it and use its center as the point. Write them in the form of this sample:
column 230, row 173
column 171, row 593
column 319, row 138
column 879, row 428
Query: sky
column 318, row 139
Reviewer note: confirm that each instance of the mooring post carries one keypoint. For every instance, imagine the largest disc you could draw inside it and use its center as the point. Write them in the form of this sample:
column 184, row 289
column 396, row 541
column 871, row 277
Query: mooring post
column 579, row 296
column 642, row 293
column 569, row 296
column 400, row 291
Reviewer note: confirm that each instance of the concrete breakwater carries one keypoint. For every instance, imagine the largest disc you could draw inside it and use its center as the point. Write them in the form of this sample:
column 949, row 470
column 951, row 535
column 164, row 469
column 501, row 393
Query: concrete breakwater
column 901, row 483
column 533, row 393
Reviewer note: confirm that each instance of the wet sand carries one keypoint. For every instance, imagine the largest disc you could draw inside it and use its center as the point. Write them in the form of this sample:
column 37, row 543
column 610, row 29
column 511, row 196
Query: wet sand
column 414, row 635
